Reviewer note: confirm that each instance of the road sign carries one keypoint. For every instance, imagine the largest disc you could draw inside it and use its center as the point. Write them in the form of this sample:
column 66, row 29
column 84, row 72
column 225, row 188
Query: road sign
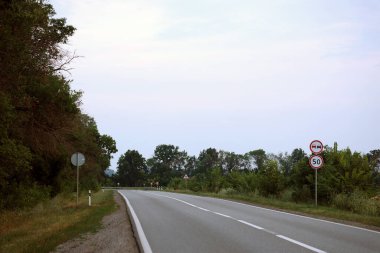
column 186, row 177
column 316, row 161
column 77, row 159
column 316, row 147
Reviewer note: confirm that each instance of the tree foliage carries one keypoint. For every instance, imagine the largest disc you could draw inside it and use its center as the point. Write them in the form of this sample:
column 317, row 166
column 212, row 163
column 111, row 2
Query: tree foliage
column 345, row 176
column 131, row 169
column 41, row 123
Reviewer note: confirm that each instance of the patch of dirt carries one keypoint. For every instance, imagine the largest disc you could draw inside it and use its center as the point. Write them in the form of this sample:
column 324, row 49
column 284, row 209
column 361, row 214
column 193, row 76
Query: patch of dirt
column 116, row 235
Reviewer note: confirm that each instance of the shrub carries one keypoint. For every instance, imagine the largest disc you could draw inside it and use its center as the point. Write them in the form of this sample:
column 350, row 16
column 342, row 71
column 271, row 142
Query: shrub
column 287, row 195
column 271, row 181
column 357, row 202
column 175, row 183
column 228, row 191
column 26, row 196
column 302, row 194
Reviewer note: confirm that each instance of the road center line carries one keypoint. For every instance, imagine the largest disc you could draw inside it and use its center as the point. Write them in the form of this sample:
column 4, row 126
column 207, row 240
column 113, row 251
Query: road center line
column 301, row 244
column 224, row 215
column 248, row 224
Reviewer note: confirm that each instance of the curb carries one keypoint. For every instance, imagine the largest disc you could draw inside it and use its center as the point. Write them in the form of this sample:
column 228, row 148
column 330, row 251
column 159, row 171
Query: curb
column 137, row 228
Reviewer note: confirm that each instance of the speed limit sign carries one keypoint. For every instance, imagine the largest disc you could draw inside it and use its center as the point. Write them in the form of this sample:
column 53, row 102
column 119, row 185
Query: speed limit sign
column 316, row 161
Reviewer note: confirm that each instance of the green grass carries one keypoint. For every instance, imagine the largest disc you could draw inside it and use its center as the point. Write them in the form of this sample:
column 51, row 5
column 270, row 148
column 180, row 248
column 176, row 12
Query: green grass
column 307, row 209
column 52, row 223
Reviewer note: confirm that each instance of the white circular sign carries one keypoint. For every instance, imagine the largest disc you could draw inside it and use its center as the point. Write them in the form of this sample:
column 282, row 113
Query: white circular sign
column 316, row 147
column 316, row 161
column 77, row 159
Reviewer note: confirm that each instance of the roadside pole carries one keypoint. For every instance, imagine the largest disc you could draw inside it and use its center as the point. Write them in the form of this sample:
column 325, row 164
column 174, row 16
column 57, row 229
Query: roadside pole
column 77, row 159
column 77, row 179
column 316, row 162
column 316, row 189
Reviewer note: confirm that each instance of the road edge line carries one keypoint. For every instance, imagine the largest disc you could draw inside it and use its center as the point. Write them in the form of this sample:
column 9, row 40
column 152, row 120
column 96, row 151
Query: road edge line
column 141, row 238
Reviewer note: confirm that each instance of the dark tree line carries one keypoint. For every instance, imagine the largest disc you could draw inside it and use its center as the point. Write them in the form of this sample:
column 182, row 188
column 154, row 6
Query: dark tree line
column 41, row 123
column 255, row 172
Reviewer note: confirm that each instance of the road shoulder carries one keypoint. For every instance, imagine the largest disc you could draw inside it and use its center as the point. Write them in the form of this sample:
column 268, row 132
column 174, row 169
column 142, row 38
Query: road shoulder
column 116, row 235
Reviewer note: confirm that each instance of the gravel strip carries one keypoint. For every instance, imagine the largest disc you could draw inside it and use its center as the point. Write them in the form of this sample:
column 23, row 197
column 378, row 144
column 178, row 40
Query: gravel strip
column 116, row 235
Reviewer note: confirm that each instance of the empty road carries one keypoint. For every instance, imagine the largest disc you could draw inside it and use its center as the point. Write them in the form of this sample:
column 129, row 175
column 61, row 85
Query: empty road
column 184, row 223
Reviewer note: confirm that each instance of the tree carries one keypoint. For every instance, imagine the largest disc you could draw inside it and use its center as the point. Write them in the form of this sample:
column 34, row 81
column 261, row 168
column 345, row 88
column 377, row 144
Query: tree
column 41, row 123
column 258, row 158
column 131, row 169
column 374, row 163
column 167, row 162
column 190, row 165
column 230, row 161
column 207, row 160
column 108, row 147
column 301, row 180
column 271, row 181
column 345, row 171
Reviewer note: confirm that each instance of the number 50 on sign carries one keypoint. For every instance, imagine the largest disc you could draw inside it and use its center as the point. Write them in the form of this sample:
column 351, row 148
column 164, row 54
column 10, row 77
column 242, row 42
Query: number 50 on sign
column 316, row 161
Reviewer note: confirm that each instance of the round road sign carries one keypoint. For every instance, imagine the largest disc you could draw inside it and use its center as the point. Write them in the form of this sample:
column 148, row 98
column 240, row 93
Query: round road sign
column 77, row 159
column 316, row 161
column 316, row 147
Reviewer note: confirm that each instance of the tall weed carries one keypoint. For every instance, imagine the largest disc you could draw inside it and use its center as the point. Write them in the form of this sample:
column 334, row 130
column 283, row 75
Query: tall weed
column 357, row 202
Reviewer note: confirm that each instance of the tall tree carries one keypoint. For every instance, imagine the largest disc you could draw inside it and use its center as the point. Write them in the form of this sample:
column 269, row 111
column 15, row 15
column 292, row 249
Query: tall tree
column 41, row 123
column 207, row 160
column 258, row 158
column 131, row 169
column 167, row 162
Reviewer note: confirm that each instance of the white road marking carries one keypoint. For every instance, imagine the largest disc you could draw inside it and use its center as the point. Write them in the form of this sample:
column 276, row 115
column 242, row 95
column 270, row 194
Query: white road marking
column 292, row 214
column 301, row 244
column 247, row 223
column 250, row 224
column 224, row 215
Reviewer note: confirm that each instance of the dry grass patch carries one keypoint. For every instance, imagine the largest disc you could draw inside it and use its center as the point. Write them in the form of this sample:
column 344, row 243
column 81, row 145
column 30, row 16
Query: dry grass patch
column 52, row 223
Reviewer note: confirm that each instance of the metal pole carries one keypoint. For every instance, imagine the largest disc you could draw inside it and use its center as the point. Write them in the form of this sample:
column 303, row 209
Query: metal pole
column 77, row 178
column 316, row 188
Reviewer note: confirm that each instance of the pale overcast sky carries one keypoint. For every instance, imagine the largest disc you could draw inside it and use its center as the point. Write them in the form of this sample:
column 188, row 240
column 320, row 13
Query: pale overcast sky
column 234, row 75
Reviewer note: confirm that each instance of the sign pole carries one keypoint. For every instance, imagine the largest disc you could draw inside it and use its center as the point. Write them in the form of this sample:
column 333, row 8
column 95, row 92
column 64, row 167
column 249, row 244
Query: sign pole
column 316, row 189
column 77, row 179
column 316, row 162
column 77, row 159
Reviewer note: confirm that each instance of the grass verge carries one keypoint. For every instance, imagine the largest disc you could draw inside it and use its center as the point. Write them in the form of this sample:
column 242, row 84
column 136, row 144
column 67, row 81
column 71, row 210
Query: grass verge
column 307, row 209
column 52, row 223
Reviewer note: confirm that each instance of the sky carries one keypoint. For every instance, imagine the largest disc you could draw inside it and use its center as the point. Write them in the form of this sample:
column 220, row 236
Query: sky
column 232, row 75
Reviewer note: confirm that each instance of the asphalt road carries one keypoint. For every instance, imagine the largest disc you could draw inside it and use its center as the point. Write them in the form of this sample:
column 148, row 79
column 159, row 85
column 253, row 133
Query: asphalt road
column 185, row 223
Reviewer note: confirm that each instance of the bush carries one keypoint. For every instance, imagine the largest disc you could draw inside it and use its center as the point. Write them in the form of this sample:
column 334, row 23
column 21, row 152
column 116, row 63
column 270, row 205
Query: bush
column 25, row 196
column 271, row 181
column 194, row 184
column 175, row 183
column 357, row 202
column 242, row 182
column 228, row 191
column 302, row 194
column 287, row 195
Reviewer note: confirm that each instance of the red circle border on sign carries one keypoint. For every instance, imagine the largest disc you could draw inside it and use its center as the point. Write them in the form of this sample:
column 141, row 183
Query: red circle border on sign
column 315, row 153
column 316, row 168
